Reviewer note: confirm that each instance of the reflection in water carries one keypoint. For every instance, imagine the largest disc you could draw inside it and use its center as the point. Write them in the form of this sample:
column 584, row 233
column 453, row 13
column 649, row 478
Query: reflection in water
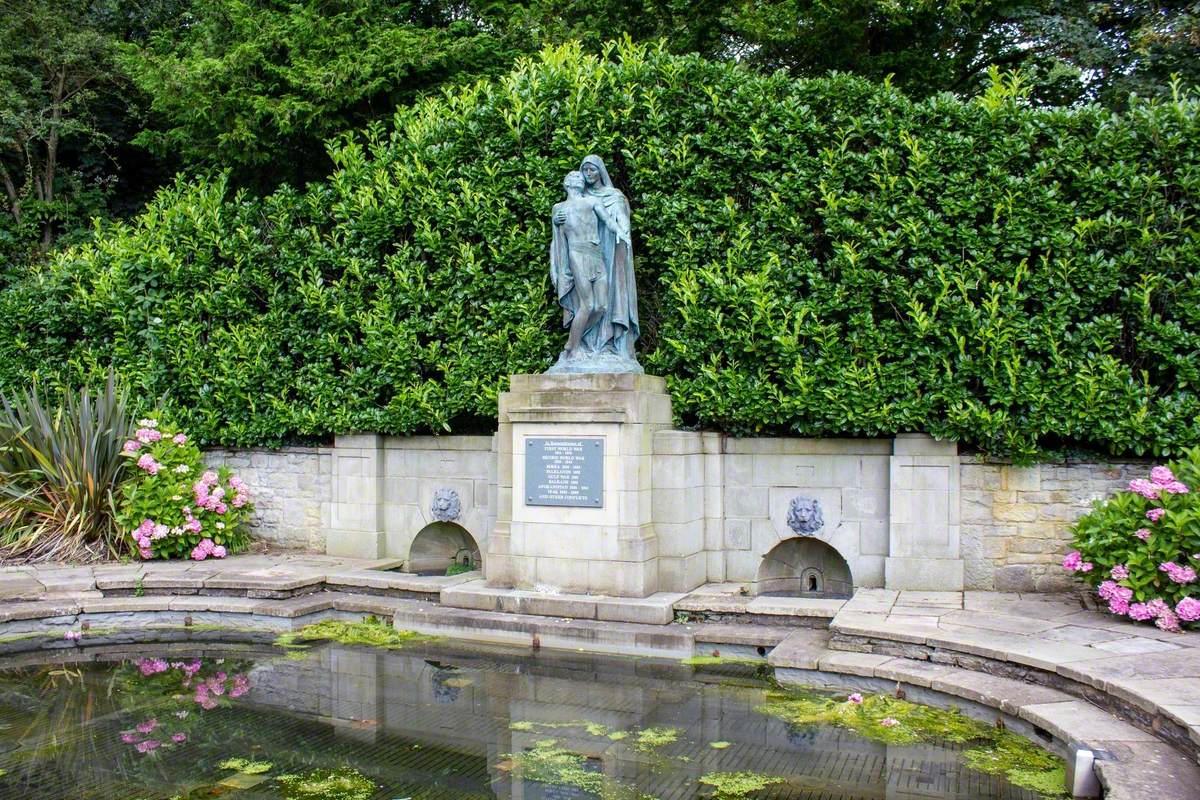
column 431, row 722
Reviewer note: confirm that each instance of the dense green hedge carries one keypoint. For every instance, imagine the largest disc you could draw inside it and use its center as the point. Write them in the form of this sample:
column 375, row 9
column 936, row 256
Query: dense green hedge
column 814, row 257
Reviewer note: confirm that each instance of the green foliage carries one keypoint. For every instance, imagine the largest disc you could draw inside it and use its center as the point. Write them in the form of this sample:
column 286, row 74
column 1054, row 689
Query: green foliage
column 883, row 718
column 160, row 508
column 738, row 784
column 327, row 784
column 60, row 468
column 370, row 631
column 259, row 86
column 1107, row 539
column 815, row 257
column 456, row 568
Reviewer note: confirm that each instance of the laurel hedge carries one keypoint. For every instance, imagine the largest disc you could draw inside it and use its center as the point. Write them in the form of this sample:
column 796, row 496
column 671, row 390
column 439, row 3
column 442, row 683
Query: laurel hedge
column 814, row 257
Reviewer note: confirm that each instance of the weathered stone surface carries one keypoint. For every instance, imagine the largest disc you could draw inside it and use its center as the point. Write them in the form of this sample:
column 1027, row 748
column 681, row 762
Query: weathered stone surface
column 1146, row 771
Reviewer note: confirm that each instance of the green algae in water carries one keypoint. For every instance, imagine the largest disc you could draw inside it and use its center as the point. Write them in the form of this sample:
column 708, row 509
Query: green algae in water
column 546, row 762
column 658, row 736
column 520, row 725
column 246, row 766
column 327, row 784
column 718, row 745
column 716, row 661
column 1023, row 763
column 738, row 784
column 883, row 718
column 371, row 632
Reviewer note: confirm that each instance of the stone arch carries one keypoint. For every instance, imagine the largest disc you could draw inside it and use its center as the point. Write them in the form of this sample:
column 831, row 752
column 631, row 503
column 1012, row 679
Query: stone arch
column 438, row 544
column 804, row 566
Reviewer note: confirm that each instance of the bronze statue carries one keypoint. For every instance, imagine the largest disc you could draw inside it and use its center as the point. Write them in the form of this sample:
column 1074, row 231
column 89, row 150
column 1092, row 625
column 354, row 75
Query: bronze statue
column 591, row 267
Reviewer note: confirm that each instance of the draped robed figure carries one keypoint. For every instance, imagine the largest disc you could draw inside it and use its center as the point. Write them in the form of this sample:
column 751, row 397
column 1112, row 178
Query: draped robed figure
column 607, row 345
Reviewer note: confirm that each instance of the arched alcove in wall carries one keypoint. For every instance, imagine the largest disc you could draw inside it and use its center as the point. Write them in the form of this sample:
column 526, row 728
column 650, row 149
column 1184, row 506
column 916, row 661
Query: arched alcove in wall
column 440, row 544
column 804, row 566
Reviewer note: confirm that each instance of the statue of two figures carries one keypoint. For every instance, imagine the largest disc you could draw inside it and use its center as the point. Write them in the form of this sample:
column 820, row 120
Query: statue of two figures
column 591, row 267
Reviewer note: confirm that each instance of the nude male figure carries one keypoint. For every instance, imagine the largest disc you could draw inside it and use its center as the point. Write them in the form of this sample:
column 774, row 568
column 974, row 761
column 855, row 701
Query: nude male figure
column 577, row 221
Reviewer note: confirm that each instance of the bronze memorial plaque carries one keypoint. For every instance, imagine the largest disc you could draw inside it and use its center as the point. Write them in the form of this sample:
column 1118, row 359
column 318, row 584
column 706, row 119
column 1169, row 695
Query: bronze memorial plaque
column 564, row 471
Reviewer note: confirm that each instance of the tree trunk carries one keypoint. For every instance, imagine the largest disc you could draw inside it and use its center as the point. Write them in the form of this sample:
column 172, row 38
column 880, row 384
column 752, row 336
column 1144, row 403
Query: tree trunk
column 52, row 154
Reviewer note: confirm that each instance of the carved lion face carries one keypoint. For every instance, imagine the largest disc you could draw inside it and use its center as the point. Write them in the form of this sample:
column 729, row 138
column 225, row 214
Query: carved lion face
column 804, row 515
column 445, row 505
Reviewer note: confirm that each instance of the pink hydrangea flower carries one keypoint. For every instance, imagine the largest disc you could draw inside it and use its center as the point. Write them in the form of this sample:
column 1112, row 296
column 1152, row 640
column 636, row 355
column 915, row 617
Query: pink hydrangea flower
column 1175, row 487
column 179, row 439
column 193, row 525
column 147, row 726
column 145, row 552
column 240, row 499
column 147, row 435
column 889, row 722
column 1142, row 533
column 209, row 477
column 1074, row 562
column 199, row 554
column 1118, row 606
column 855, row 699
column 73, row 636
column 1162, row 475
column 129, row 738
column 132, row 446
column 177, row 738
column 148, row 463
column 1155, row 514
column 219, row 551
column 1120, row 572
column 1141, row 612
column 1188, row 609
column 160, row 532
column 147, row 746
column 1145, row 488
column 236, row 482
column 1177, row 573
column 1167, row 621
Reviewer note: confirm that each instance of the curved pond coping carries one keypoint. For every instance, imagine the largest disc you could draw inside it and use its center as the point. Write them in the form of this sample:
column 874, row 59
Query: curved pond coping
column 1139, row 765
column 1065, row 701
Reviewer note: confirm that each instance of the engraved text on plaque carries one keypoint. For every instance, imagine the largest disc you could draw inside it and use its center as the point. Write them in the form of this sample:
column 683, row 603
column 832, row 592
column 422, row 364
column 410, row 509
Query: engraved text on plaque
column 562, row 471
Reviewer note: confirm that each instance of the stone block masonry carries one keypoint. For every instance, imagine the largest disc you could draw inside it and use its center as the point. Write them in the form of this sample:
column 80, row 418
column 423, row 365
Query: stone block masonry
column 902, row 513
column 1016, row 520
column 291, row 487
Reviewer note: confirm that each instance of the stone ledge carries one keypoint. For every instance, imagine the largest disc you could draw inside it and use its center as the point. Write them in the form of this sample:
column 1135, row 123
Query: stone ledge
column 657, row 609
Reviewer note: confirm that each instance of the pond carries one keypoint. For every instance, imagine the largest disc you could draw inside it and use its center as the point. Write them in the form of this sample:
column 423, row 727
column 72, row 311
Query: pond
column 249, row 720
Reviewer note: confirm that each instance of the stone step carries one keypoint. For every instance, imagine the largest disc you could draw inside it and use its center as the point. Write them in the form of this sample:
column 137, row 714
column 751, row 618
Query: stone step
column 657, row 609
column 556, row 633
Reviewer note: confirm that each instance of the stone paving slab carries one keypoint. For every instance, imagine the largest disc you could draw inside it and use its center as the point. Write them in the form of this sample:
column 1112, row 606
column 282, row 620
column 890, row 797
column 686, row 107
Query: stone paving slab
column 1147, row 771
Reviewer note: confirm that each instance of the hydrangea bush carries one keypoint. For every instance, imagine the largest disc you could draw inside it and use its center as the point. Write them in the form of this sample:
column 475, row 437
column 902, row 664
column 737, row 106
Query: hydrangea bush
column 173, row 507
column 1141, row 549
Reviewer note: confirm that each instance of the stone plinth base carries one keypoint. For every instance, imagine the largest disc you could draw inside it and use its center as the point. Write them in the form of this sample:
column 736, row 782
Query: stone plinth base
column 604, row 542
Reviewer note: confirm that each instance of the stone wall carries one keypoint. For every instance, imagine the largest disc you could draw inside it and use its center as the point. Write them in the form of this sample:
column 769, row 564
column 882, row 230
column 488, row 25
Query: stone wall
column 1015, row 520
column 291, row 488
column 719, row 503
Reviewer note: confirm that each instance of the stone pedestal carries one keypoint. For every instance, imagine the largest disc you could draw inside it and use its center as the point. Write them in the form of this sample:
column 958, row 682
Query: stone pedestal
column 603, row 541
